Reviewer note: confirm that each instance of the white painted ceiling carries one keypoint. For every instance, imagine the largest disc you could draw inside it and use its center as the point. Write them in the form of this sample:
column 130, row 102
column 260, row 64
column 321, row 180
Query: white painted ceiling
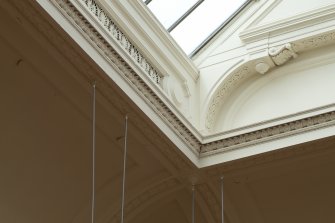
column 45, row 150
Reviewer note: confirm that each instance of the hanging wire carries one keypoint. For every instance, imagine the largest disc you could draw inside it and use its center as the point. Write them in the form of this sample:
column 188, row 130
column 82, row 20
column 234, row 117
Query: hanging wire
column 124, row 167
column 222, row 211
column 93, row 156
column 193, row 204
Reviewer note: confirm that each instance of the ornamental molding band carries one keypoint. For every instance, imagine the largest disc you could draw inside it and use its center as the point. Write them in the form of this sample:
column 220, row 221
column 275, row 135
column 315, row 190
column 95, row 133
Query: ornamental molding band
column 269, row 134
column 30, row 11
column 297, row 151
column 225, row 88
column 92, row 35
column 128, row 47
column 281, row 55
column 278, row 55
column 314, row 42
column 136, row 82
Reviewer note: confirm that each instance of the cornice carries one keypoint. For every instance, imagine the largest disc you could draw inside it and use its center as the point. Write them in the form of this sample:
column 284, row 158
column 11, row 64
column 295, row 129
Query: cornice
column 130, row 75
column 274, row 57
column 150, row 97
column 314, row 42
column 298, row 22
column 291, row 152
column 269, row 123
column 184, row 65
column 269, row 134
column 230, row 81
column 31, row 13
column 118, row 36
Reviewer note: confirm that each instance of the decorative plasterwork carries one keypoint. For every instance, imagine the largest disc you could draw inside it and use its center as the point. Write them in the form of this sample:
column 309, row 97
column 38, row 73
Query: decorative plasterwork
column 268, row 134
column 30, row 11
column 262, row 67
column 230, row 143
column 287, row 153
column 92, row 35
column 122, row 40
column 314, row 42
column 279, row 55
column 170, row 55
column 223, row 91
column 282, row 54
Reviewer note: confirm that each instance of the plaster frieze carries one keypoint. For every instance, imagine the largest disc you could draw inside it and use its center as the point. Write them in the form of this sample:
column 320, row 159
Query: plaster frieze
column 276, row 56
column 314, row 42
column 269, row 134
column 88, row 74
column 128, row 47
column 288, row 153
column 230, row 143
column 126, row 70
column 221, row 92
column 131, row 76
column 161, row 77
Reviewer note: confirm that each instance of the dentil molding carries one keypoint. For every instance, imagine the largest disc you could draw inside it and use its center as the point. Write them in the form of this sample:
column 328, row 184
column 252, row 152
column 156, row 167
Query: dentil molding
column 145, row 91
column 276, row 56
column 227, row 85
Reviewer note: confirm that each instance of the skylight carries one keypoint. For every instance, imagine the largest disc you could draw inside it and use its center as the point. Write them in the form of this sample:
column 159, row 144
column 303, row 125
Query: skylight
column 191, row 22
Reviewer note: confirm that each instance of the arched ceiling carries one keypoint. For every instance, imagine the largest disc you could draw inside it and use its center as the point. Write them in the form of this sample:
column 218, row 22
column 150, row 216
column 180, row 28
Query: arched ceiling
column 45, row 148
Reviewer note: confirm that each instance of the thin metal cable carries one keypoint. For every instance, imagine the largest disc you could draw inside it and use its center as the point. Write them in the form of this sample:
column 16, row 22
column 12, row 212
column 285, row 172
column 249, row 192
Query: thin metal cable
column 124, row 167
column 193, row 204
column 184, row 16
column 93, row 156
column 222, row 211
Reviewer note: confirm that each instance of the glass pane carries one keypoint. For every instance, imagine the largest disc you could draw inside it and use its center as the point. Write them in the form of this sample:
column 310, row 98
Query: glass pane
column 169, row 11
column 203, row 21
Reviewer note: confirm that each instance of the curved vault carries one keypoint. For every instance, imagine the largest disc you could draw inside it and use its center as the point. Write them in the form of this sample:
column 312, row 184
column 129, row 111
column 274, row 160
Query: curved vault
column 243, row 98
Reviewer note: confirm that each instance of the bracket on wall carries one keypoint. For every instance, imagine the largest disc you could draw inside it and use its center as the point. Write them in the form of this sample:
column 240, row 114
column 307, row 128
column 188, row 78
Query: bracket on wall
column 281, row 55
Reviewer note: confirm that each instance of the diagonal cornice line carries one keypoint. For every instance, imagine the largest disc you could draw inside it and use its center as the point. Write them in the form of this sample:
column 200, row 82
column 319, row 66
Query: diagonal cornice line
column 37, row 22
column 152, row 99
column 325, row 13
column 128, row 73
column 118, row 35
column 269, row 134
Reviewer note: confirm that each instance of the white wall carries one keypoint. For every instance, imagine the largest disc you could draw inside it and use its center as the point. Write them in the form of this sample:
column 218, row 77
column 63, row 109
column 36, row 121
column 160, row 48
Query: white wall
column 284, row 90
column 304, row 84
column 287, row 8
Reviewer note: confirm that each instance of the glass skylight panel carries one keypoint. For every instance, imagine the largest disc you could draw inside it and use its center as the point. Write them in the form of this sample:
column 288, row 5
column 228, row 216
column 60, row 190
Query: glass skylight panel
column 169, row 11
column 203, row 21
column 191, row 32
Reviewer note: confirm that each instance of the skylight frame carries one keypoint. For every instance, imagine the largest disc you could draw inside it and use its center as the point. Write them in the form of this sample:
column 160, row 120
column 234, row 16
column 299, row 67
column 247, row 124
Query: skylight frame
column 191, row 50
column 221, row 27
